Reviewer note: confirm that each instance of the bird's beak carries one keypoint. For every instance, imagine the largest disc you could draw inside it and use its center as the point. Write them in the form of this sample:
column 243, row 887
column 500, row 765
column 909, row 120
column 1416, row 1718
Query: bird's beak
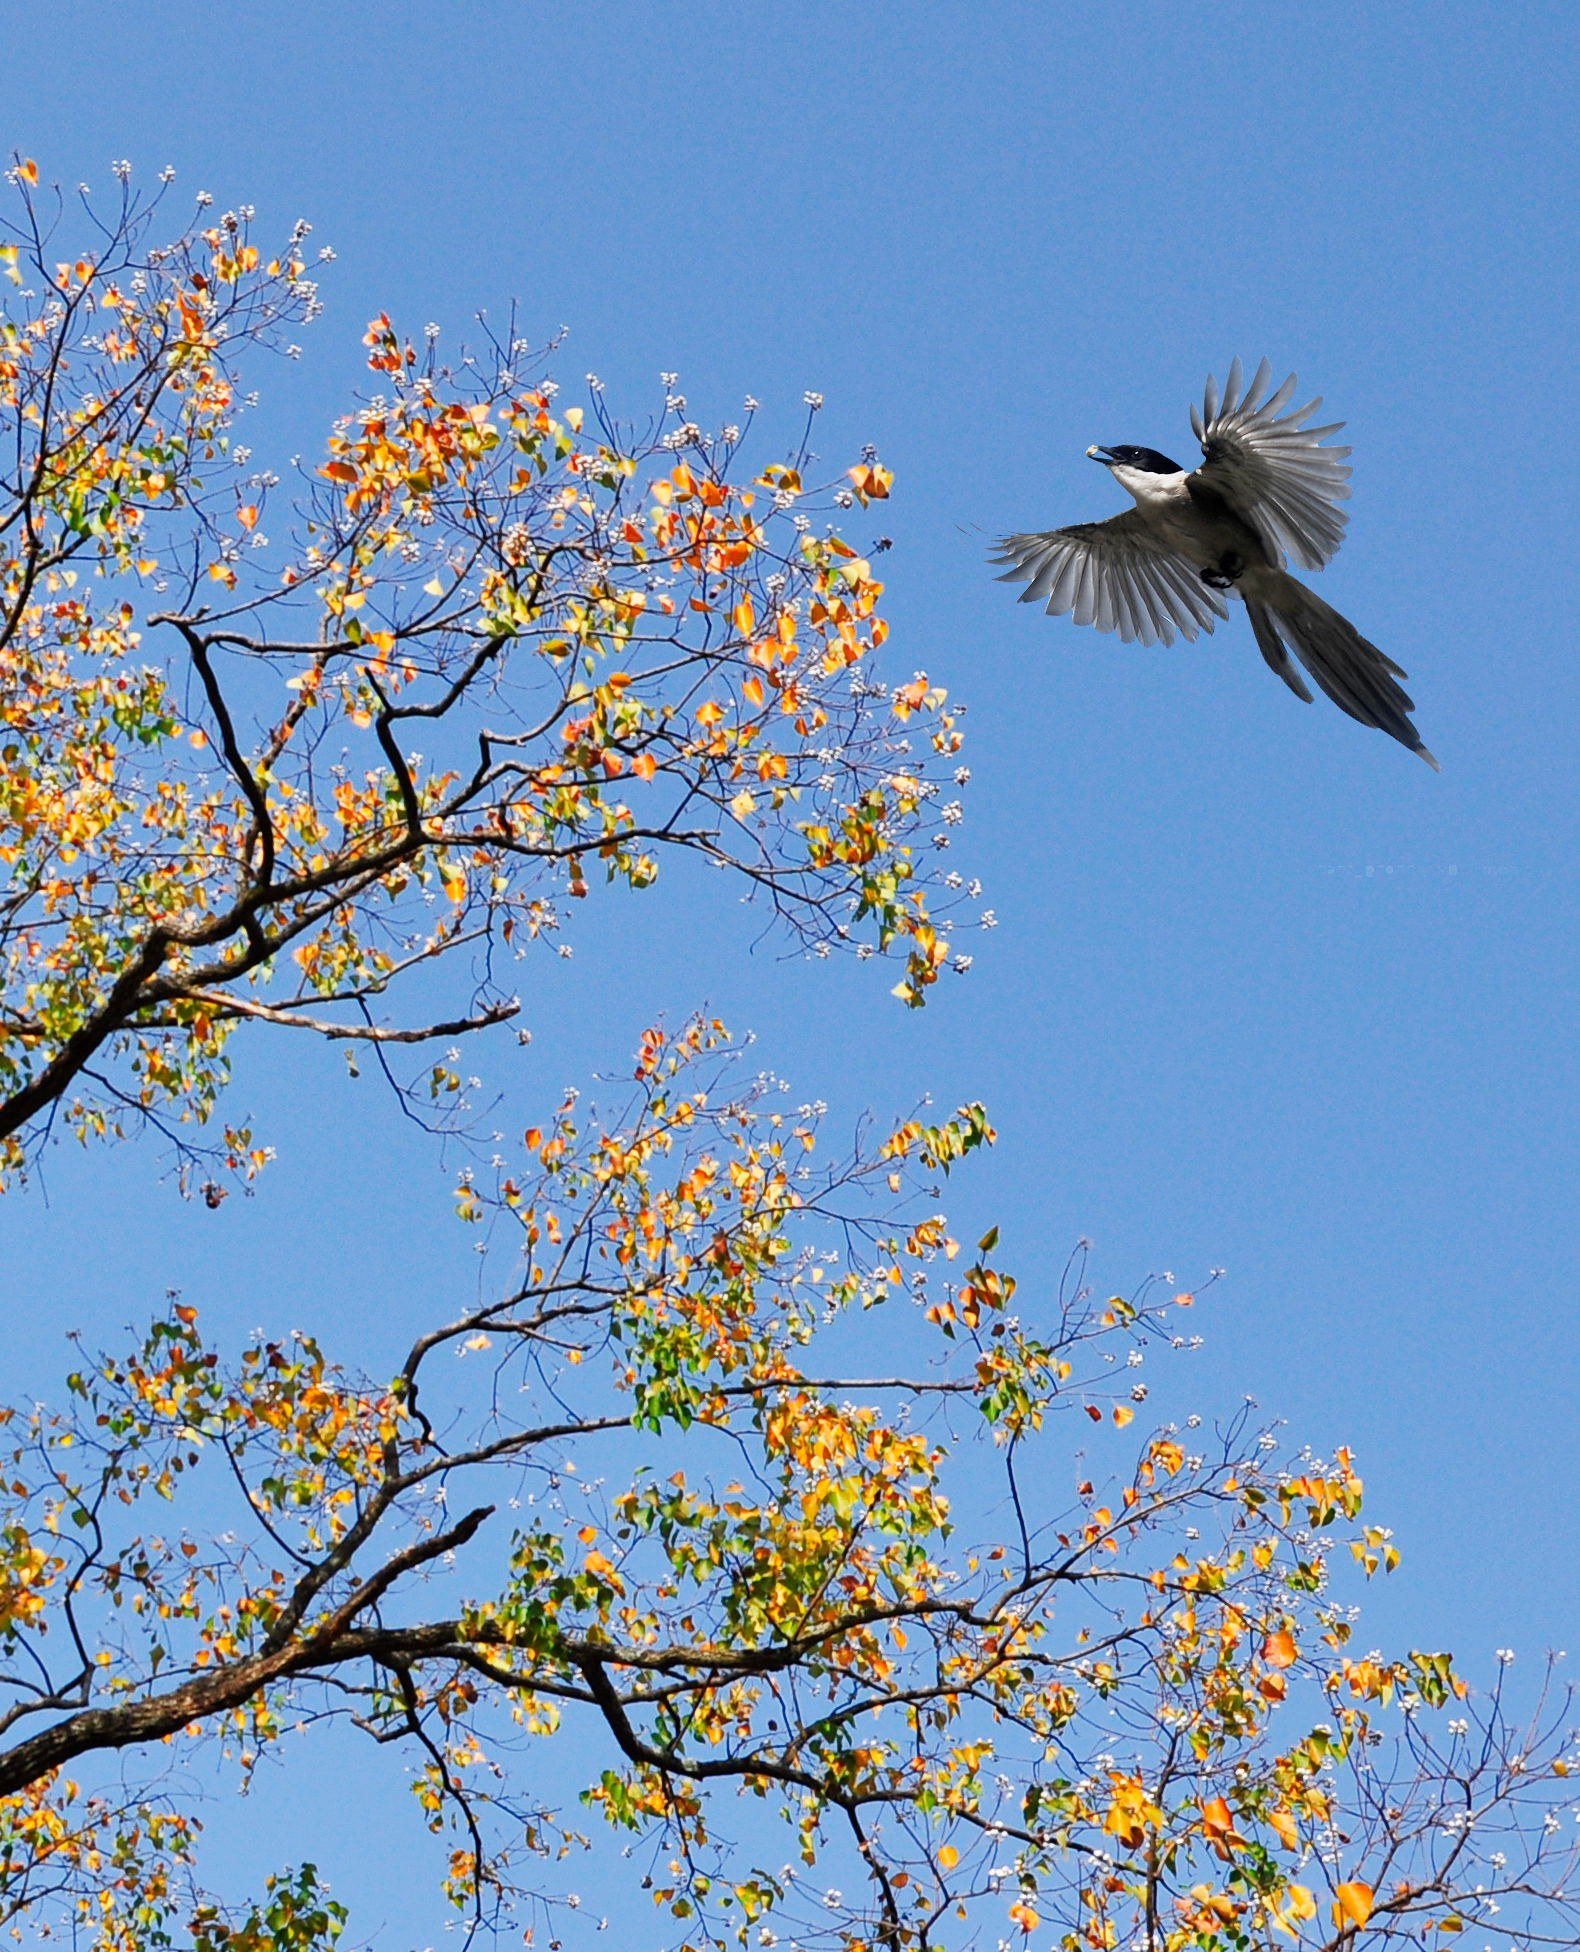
column 1103, row 454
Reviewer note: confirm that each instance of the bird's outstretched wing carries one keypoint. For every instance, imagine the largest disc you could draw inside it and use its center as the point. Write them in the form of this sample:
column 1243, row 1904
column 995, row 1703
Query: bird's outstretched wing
column 1114, row 574
column 1271, row 468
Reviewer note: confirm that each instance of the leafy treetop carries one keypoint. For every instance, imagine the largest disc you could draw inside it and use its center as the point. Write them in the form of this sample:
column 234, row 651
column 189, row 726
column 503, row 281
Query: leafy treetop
column 487, row 647
column 658, row 1485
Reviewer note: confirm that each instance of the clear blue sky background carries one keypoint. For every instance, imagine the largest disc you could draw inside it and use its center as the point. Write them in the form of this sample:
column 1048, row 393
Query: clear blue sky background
column 1265, row 991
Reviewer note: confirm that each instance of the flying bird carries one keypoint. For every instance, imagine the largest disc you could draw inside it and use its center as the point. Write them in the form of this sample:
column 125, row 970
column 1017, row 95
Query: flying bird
column 1266, row 489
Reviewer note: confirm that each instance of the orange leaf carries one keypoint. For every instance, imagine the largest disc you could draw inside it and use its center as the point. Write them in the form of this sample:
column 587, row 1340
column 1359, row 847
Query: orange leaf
column 1279, row 1650
column 1354, row 1905
column 1217, row 1823
column 247, row 516
column 28, row 171
column 948, row 1857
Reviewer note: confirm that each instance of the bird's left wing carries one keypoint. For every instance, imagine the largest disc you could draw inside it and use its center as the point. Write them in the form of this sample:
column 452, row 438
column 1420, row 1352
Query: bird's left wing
column 1114, row 574
column 1271, row 468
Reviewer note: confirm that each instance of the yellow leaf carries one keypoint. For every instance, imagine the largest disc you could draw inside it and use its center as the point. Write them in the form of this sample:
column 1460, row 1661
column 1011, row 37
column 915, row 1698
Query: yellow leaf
column 1354, row 1905
column 1287, row 1913
column 948, row 1857
column 28, row 171
column 1123, row 1414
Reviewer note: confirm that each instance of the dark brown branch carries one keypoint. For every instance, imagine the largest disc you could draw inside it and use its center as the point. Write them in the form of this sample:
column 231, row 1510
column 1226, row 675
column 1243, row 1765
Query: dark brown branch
column 137, row 1722
column 363, row 1033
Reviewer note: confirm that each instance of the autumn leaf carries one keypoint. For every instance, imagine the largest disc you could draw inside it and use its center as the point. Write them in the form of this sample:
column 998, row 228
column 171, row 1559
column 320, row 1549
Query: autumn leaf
column 1353, row 1905
column 1279, row 1649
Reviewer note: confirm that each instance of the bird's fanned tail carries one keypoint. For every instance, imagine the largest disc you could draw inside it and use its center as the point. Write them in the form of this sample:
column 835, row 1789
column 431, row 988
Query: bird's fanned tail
column 1286, row 617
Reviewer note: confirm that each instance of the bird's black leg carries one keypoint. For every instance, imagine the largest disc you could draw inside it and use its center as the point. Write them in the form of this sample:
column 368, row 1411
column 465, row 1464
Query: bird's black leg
column 1224, row 573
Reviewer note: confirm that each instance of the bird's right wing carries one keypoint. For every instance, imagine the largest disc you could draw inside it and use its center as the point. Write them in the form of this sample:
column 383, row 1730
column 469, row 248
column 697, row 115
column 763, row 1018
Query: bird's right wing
column 1116, row 575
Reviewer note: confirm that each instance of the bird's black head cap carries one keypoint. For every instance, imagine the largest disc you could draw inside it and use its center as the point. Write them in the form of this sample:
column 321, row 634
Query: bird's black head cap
column 1146, row 460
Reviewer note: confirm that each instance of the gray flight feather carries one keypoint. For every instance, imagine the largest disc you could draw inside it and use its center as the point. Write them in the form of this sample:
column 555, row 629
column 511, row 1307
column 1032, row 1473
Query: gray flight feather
column 1114, row 574
column 1272, row 468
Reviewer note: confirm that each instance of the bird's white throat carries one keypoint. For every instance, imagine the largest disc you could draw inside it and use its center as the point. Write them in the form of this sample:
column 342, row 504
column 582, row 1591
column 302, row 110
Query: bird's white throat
column 1151, row 490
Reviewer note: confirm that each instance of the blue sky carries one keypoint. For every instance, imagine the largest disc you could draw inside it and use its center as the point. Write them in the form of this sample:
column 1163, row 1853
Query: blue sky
column 1264, row 991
